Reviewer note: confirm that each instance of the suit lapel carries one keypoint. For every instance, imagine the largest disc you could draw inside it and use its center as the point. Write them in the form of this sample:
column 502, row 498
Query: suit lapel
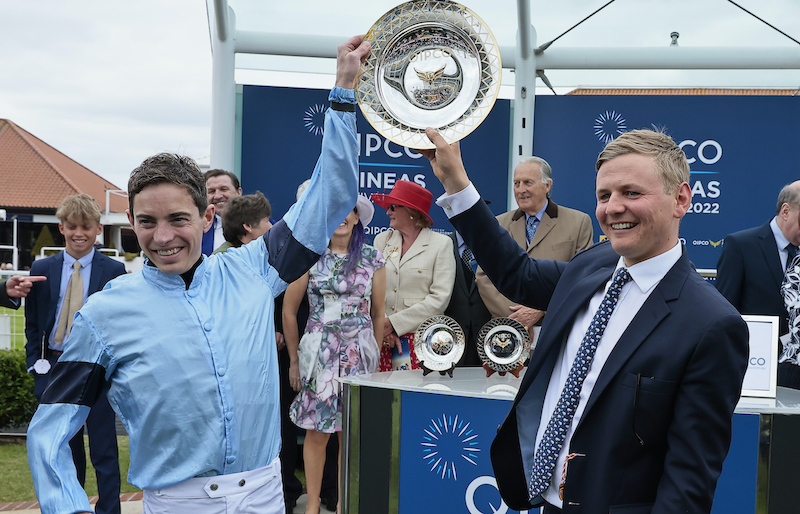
column 462, row 280
column 769, row 247
column 517, row 230
column 54, row 278
column 97, row 272
column 391, row 251
column 420, row 244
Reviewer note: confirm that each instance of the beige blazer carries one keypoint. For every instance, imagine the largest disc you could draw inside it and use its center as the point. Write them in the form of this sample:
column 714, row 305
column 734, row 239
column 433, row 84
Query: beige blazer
column 561, row 234
column 420, row 284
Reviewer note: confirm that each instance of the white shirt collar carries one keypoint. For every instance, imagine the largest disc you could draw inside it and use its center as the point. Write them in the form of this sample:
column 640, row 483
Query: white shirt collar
column 648, row 273
column 780, row 239
column 539, row 215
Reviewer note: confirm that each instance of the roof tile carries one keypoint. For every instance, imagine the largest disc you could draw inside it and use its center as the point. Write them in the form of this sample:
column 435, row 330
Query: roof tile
column 35, row 175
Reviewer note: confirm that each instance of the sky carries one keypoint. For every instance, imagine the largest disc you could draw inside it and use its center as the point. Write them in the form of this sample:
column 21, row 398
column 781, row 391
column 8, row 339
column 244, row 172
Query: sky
column 109, row 83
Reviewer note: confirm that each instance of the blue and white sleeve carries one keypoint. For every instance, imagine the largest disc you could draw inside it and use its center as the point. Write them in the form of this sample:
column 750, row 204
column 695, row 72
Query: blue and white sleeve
column 295, row 243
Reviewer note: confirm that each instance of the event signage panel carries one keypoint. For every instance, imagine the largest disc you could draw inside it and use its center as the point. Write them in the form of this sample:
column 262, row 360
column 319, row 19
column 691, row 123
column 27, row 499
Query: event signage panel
column 761, row 378
column 741, row 149
column 445, row 464
column 282, row 132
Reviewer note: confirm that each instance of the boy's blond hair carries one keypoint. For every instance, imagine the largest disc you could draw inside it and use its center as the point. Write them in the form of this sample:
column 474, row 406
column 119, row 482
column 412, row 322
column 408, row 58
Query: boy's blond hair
column 76, row 208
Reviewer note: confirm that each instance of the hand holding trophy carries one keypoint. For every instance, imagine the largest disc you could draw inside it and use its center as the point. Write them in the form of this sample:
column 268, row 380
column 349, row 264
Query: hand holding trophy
column 434, row 63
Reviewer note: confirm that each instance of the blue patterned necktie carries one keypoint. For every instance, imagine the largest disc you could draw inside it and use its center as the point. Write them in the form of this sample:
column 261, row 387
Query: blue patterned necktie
column 530, row 228
column 469, row 259
column 544, row 460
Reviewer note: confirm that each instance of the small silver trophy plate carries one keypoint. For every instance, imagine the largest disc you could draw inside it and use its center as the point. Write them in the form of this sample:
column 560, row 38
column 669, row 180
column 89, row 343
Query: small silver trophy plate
column 503, row 346
column 434, row 63
column 439, row 344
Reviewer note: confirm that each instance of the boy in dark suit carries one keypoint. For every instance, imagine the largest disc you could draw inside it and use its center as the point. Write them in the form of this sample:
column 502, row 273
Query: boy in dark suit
column 73, row 275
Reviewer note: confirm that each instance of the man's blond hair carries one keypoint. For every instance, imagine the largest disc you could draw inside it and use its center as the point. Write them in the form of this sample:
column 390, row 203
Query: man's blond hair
column 670, row 160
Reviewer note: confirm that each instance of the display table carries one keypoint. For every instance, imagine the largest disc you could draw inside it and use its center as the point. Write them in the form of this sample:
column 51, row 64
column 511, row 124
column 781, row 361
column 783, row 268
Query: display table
column 415, row 444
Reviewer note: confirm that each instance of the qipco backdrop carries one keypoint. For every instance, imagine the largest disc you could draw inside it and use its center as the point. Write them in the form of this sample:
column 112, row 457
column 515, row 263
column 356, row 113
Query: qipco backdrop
column 741, row 150
column 282, row 133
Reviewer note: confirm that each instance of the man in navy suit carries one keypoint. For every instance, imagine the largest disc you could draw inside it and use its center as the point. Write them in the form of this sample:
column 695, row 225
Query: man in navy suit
column 79, row 217
column 653, row 394
column 752, row 263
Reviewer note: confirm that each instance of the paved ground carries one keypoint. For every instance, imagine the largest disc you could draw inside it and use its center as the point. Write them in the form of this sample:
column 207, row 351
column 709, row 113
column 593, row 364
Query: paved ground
column 131, row 504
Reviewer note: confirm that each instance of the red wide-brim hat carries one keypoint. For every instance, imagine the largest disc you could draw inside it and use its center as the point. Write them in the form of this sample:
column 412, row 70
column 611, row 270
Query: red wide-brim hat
column 407, row 194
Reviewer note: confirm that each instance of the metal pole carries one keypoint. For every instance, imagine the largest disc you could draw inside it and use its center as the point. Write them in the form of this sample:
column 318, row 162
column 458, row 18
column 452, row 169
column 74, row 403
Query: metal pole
column 524, row 94
column 15, row 252
column 670, row 57
column 223, row 89
column 221, row 15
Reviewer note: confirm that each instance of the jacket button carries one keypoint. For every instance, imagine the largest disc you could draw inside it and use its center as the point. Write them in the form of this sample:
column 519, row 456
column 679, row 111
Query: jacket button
column 213, row 487
column 392, row 307
column 419, row 271
column 395, row 289
column 241, row 483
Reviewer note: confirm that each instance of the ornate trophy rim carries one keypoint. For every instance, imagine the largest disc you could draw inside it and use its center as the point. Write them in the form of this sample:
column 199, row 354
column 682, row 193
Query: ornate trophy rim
column 465, row 110
column 425, row 355
column 519, row 355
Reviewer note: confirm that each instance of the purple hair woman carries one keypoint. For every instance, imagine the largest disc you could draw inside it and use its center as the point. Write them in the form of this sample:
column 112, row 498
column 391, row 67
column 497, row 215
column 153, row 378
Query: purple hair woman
column 346, row 291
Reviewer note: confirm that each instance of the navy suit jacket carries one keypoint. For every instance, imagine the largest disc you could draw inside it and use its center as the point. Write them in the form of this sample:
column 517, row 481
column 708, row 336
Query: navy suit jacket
column 749, row 274
column 42, row 302
column 657, row 425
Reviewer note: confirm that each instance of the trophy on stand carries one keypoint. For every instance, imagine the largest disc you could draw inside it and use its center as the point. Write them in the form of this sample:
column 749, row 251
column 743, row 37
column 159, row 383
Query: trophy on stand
column 503, row 346
column 439, row 343
column 434, row 63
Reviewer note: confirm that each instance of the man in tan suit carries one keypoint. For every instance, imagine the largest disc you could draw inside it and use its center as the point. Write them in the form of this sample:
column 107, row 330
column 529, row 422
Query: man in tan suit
column 557, row 233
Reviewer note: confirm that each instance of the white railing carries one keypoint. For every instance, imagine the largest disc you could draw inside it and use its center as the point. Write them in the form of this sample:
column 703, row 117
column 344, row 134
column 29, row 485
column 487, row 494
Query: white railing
column 12, row 322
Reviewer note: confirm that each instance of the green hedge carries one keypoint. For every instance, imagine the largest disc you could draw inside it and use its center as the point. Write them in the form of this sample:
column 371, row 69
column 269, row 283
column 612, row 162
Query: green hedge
column 17, row 403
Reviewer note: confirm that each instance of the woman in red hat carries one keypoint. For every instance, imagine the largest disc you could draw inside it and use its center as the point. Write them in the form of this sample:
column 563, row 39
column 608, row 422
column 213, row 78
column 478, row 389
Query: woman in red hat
column 420, row 271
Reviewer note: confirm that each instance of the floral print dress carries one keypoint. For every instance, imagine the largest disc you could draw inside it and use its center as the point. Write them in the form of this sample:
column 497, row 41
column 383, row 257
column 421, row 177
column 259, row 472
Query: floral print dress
column 339, row 340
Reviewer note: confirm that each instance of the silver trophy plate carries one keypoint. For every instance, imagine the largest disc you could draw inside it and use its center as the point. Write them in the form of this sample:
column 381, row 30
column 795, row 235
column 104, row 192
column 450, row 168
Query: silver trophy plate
column 439, row 344
column 503, row 345
column 434, row 63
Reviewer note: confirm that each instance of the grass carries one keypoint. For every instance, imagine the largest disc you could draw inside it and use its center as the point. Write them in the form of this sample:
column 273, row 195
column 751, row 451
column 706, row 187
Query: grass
column 15, row 475
column 17, row 326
